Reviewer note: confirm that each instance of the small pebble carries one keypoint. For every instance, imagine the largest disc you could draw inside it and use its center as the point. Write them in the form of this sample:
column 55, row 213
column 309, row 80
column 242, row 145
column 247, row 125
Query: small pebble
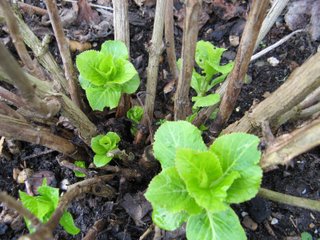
column 234, row 40
column 274, row 221
column 64, row 184
column 249, row 223
column 273, row 61
column 311, row 225
column 243, row 214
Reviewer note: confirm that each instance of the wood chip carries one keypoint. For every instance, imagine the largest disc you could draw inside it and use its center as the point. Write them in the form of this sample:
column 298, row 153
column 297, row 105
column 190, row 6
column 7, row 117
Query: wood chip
column 1, row 144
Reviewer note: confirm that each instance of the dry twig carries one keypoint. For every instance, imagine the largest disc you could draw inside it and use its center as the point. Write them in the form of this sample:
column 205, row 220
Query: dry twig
column 121, row 32
column 64, row 51
column 12, row 69
column 155, row 51
column 169, row 36
column 290, row 200
column 14, row 204
column 190, row 35
column 13, row 27
column 235, row 78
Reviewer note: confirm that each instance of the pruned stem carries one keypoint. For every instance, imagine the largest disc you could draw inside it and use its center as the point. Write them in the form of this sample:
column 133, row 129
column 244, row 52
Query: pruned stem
column 245, row 51
column 13, row 27
column 274, row 12
column 290, row 200
column 121, row 32
column 86, row 186
column 43, row 55
column 10, row 98
column 155, row 51
column 20, row 130
column 169, row 36
column 284, row 148
column 85, row 128
column 27, row 91
column 64, row 51
column 302, row 82
column 8, row 111
column 182, row 106
column 14, row 204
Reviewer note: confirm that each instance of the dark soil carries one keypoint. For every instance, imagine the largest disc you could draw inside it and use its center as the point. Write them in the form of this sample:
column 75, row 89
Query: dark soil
column 129, row 215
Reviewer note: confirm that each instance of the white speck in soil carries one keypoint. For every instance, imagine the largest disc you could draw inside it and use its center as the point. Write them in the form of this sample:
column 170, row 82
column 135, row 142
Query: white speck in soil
column 274, row 221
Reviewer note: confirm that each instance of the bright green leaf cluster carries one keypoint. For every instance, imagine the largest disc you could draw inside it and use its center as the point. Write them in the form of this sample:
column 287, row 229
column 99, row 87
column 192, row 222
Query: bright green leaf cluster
column 135, row 114
column 197, row 184
column 208, row 59
column 44, row 205
column 80, row 164
column 102, row 145
column 106, row 74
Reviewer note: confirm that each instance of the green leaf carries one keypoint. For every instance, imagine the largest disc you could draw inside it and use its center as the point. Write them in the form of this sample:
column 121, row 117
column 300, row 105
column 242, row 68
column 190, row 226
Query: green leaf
column 198, row 83
column 135, row 114
column 132, row 85
column 215, row 226
column 84, row 83
column 208, row 57
column 39, row 207
column 101, row 97
column 239, row 152
column 167, row 220
column 49, row 193
column 306, row 236
column 167, row 190
column 109, row 141
column 80, row 164
column 66, row 221
column 125, row 72
column 203, row 176
column 173, row 135
column 115, row 48
column 101, row 160
column 206, row 101
column 96, row 146
column 95, row 67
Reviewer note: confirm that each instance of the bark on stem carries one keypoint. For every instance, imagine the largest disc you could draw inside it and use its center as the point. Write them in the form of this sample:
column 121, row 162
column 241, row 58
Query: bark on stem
column 155, row 51
column 169, row 36
column 86, row 129
column 44, row 232
column 121, row 32
column 10, row 98
column 15, row 205
column 302, row 81
column 290, row 200
column 13, row 27
column 284, row 148
column 8, row 111
column 20, row 130
column 245, row 51
column 41, row 52
column 182, row 106
column 64, row 51
column 27, row 91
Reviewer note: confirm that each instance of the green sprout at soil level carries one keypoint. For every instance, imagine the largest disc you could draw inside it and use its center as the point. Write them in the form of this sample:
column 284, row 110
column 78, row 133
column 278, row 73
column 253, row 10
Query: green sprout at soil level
column 106, row 74
column 44, row 205
column 197, row 184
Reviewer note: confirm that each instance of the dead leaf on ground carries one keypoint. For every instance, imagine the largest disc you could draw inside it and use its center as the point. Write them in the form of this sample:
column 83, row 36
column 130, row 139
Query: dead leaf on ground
column 304, row 14
column 79, row 46
column 136, row 206
column 146, row 3
column 86, row 13
column 226, row 10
